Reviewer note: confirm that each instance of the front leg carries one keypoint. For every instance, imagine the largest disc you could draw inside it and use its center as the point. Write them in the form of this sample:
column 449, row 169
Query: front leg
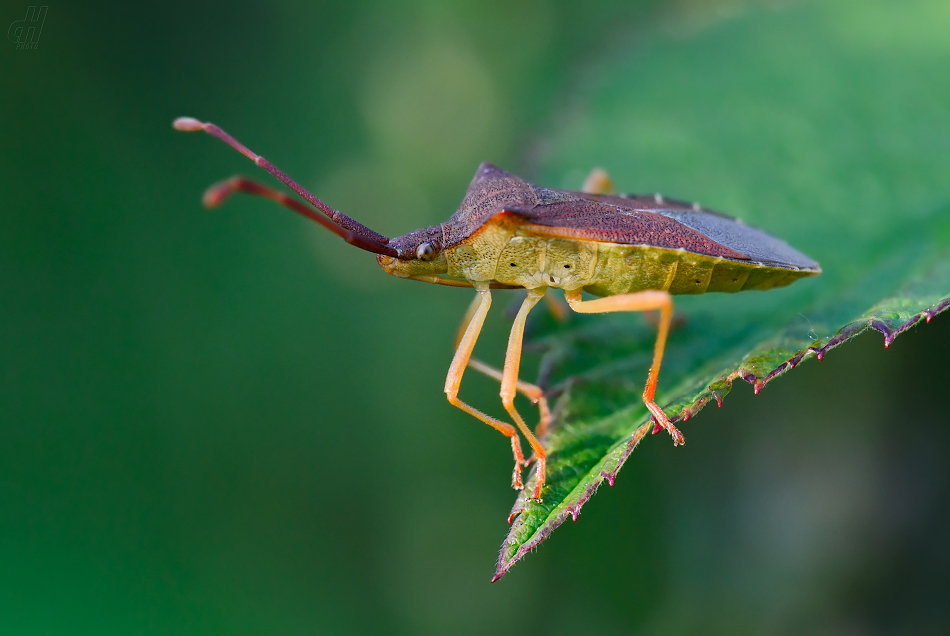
column 509, row 383
column 454, row 378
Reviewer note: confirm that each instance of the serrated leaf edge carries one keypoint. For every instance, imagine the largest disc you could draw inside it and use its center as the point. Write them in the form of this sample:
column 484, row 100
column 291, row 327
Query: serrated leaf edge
column 716, row 390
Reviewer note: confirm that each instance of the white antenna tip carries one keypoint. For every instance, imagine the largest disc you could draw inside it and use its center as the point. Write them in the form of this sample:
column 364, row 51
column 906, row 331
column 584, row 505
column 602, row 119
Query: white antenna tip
column 187, row 124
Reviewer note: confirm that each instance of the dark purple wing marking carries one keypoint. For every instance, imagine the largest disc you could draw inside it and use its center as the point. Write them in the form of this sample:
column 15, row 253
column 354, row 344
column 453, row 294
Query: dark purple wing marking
column 759, row 246
column 593, row 220
column 640, row 220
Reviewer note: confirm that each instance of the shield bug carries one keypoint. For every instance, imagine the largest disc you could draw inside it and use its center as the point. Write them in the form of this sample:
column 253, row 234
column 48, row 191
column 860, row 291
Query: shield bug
column 632, row 252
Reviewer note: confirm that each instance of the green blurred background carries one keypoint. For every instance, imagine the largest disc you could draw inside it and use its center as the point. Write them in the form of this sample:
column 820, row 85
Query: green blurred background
column 233, row 423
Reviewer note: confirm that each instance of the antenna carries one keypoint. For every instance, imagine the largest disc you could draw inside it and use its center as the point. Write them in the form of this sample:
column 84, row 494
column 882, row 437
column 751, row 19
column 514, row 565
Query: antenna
column 350, row 230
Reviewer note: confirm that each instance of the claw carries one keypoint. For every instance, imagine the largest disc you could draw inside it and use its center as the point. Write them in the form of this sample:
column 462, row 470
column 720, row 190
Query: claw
column 678, row 439
column 516, row 482
column 536, row 495
column 661, row 421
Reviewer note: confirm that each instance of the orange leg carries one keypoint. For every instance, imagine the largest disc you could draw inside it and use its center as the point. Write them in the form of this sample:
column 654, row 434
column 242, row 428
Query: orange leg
column 454, row 378
column 638, row 301
column 509, row 381
column 531, row 391
column 598, row 182
column 557, row 308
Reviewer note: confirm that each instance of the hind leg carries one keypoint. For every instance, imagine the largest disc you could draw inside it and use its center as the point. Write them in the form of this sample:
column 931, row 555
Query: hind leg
column 646, row 300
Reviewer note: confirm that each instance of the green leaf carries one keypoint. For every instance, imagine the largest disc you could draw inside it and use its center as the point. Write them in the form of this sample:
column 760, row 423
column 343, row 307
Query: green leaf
column 823, row 123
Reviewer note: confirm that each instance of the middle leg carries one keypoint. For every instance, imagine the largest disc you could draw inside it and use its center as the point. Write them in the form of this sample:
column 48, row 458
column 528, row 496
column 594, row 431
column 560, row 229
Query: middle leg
column 454, row 378
column 509, row 381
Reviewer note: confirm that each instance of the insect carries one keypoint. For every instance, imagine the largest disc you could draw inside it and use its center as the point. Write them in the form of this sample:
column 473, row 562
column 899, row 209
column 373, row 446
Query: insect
column 632, row 252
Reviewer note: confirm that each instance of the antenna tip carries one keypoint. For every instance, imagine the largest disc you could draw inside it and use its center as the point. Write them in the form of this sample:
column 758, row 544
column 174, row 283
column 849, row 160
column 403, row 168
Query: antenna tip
column 216, row 194
column 187, row 124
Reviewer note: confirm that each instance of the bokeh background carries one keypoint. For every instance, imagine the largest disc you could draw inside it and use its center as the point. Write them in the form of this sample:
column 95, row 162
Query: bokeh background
column 233, row 423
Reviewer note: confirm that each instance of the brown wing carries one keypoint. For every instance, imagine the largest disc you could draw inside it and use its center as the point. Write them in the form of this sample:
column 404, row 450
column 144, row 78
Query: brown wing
column 630, row 220
column 757, row 245
column 597, row 221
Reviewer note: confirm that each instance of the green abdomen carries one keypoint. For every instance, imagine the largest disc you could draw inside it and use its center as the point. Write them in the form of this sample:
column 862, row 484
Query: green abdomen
column 515, row 257
column 629, row 268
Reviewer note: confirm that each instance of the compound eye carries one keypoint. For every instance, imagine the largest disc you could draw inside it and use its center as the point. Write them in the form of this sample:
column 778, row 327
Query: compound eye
column 425, row 252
